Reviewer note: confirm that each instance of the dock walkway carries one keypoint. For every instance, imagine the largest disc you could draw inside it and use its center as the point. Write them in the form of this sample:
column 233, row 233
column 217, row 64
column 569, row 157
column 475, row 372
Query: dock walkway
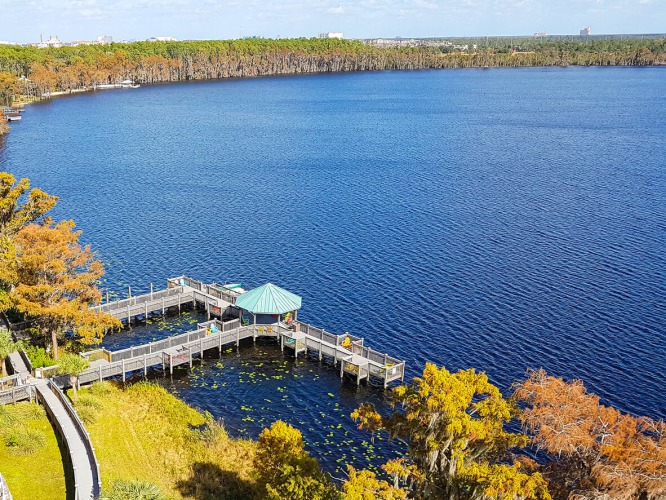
column 87, row 484
column 4, row 490
column 180, row 291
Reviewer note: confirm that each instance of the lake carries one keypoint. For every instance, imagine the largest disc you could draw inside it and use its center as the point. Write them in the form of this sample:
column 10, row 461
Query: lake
column 502, row 219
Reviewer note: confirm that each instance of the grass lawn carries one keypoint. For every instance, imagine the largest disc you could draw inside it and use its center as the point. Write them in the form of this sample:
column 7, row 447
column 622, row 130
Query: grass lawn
column 144, row 433
column 30, row 458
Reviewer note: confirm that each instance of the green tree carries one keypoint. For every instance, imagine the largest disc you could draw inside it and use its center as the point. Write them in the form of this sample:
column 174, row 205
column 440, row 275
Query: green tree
column 7, row 346
column 453, row 424
column 73, row 365
column 286, row 470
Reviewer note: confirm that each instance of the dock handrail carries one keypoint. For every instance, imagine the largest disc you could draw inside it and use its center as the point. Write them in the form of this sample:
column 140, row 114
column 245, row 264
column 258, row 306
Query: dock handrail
column 85, row 437
column 133, row 301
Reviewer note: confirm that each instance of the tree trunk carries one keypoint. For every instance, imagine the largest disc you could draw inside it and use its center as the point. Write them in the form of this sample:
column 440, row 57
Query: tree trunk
column 54, row 344
column 73, row 380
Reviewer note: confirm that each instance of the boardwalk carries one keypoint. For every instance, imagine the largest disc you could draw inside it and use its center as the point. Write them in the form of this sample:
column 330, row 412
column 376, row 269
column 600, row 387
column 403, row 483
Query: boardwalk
column 181, row 291
column 4, row 490
column 87, row 484
column 355, row 359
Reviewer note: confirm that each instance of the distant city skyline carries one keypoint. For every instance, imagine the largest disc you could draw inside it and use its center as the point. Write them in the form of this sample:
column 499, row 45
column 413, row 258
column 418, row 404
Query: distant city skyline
column 212, row 19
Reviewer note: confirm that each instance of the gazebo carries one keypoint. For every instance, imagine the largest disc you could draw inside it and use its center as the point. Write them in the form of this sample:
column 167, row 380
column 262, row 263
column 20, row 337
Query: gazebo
column 266, row 304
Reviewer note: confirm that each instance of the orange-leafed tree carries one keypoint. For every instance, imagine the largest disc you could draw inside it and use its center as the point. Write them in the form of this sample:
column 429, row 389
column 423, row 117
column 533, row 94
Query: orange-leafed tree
column 9, row 88
column 43, row 77
column 458, row 447
column 16, row 211
column 595, row 451
column 57, row 282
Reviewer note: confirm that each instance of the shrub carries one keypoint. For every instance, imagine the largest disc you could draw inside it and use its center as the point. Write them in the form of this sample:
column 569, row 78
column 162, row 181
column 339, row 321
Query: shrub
column 38, row 356
column 133, row 490
column 23, row 441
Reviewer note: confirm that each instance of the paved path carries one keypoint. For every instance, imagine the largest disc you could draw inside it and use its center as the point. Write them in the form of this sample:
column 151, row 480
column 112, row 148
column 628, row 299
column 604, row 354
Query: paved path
column 85, row 477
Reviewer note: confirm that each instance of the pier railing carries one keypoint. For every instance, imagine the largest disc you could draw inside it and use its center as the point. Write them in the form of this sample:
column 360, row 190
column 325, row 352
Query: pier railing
column 140, row 300
column 16, row 394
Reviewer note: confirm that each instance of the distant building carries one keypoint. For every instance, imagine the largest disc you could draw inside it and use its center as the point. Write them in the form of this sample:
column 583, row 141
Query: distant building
column 586, row 31
column 331, row 34
column 162, row 39
column 540, row 34
column 104, row 40
column 52, row 42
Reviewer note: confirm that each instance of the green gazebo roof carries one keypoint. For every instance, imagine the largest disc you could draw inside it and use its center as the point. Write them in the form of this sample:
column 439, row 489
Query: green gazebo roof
column 268, row 299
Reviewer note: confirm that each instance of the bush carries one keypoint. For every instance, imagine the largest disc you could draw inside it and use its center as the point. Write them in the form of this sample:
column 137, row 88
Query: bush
column 87, row 414
column 38, row 357
column 24, row 441
column 100, row 388
column 133, row 490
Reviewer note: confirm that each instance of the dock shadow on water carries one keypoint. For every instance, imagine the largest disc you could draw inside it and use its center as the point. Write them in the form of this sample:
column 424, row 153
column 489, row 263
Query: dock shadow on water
column 251, row 387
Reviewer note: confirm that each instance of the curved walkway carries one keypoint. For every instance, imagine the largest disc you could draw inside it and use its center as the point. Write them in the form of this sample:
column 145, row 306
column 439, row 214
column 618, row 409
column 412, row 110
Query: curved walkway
column 4, row 490
column 68, row 425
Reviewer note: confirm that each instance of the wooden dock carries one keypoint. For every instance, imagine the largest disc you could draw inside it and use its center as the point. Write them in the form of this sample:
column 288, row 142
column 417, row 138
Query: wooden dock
column 181, row 291
column 356, row 360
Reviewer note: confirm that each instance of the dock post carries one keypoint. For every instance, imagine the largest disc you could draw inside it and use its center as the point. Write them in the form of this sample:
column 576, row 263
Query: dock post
column 170, row 365
column 123, row 365
column 342, row 365
column 201, row 347
column 178, row 304
column 190, row 350
column 358, row 376
column 100, row 373
column 162, row 306
column 146, row 313
column 281, row 342
column 129, row 316
column 145, row 366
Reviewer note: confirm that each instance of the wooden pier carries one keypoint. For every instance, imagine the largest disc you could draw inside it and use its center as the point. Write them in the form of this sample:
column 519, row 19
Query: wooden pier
column 4, row 490
column 356, row 360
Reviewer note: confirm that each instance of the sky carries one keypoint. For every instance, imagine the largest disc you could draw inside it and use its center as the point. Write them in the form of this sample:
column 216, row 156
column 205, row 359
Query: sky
column 24, row 20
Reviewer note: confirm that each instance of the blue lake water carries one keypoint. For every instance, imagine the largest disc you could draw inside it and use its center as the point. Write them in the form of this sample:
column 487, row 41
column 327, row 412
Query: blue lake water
column 502, row 219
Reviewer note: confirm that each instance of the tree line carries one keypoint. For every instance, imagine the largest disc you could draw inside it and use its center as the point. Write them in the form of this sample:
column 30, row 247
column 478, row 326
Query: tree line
column 67, row 68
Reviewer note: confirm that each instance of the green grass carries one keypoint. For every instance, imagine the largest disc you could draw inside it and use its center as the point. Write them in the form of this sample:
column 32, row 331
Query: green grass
column 30, row 458
column 144, row 434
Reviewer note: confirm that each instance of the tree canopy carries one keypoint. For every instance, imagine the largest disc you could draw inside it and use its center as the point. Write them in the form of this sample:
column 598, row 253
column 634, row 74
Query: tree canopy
column 458, row 448
column 57, row 282
column 594, row 451
column 286, row 470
